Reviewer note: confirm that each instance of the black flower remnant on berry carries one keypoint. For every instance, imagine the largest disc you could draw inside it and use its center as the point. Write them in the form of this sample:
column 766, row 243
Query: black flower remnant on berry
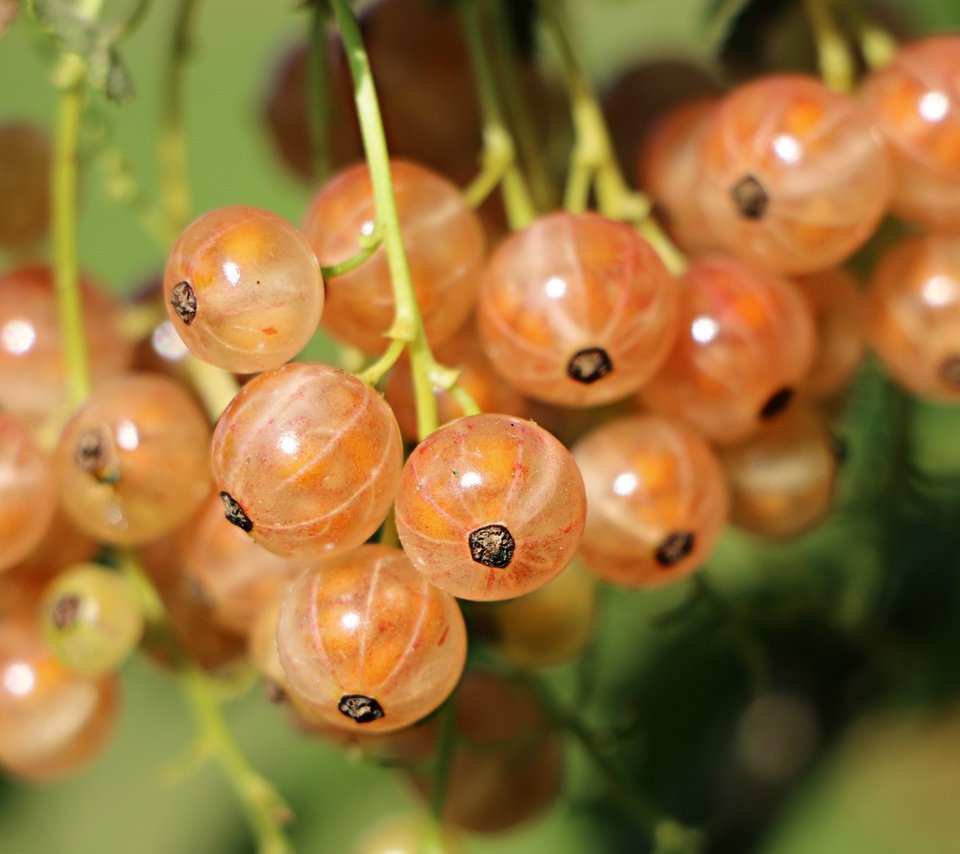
column 360, row 708
column 65, row 611
column 950, row 371
column 184, row 302
column 777, row 402
column 675, row 548
column 94, row 453
column 750, row 197
column 234, row 512
column 492, row 545
column 589, row 365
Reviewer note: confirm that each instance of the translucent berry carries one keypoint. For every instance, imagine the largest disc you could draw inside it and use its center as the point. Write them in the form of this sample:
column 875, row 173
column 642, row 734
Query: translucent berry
column 669, row 169
column 576, row 310
column 27, row 492
column 92, row 619
column 243, row 289
column 746, row 341
column 507, row 764
column 52, row 722
column 307, row 460
column 133, row 462
column 913, row 315
column 476, row 376
column 32, row 374
column 365, row 640
column 915, row 101
column 412, row 832
column 656, row 500
column 838, row 309
column 234, row 574
column 445, row 248
column 552, row 624
column 490, row 507
column 782, row 479
column 794, row 177
column 24, row 184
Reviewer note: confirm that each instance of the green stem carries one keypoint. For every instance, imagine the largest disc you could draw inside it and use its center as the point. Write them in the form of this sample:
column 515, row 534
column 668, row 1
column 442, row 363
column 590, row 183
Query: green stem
column 378, row 370
column 171, row 139
column 499, row 150
column 318, row 85
column 264, row 808
column 367, row 248
column 407, row 324
column 877, row 45
column 652, row 819
column 443, row 759
column 836, row 62
column 593, row 162
column 66, row 266
column 529, row 146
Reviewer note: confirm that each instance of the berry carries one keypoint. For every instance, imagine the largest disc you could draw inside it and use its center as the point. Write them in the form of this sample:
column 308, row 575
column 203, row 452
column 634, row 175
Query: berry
column 243, row 289
column 656, row 500
column 913, row 315
column 24, row 183
column 133, row 461
column 32, row 373
column 91, row 619
column 27, row 492
column 52, row 722
column 915, row 101
column 307, row 460
column 576, row 310
column 746, row 342
column 490, row 507
column 443, row 238
column 794, row 177
column 781, row 479
column 365, row 640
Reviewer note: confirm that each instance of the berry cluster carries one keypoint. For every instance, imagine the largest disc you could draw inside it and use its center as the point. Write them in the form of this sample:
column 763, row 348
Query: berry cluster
column 569, row 403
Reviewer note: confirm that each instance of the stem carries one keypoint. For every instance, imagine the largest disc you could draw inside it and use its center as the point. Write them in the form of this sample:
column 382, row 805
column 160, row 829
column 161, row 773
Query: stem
column 593, row 163
column 408, row 324
column 836, row 63
column 877, row 45
column 660, row 826
column 318, row 85
column 499, row 151
column 444, row 756
column 171, row 140
column 378, row 370
column 215, row 386
column 66, row 272
column 529, row 146
column 264, row 808
column 367, row 248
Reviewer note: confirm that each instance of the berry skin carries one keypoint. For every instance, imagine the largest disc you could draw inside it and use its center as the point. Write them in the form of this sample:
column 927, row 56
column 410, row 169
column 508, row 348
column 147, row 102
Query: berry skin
column 746, row 341
column 576, row 310
column 133, row 462
column 915, row 101
column 782, row 479
column 838, row 315
column 24, row 183
column 365, row 640
column 243, row 289
column 669, row 170
column 52, row 722
column 656, row 500
column 913, row 315
column 794, row 177
column 91, row 619
column 33, row 378
column 443, row 238
column 27, row 492
column 490, row 507
column 307, row 460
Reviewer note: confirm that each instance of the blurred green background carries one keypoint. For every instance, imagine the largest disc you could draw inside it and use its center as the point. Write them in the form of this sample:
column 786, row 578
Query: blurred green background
column 832, row 659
